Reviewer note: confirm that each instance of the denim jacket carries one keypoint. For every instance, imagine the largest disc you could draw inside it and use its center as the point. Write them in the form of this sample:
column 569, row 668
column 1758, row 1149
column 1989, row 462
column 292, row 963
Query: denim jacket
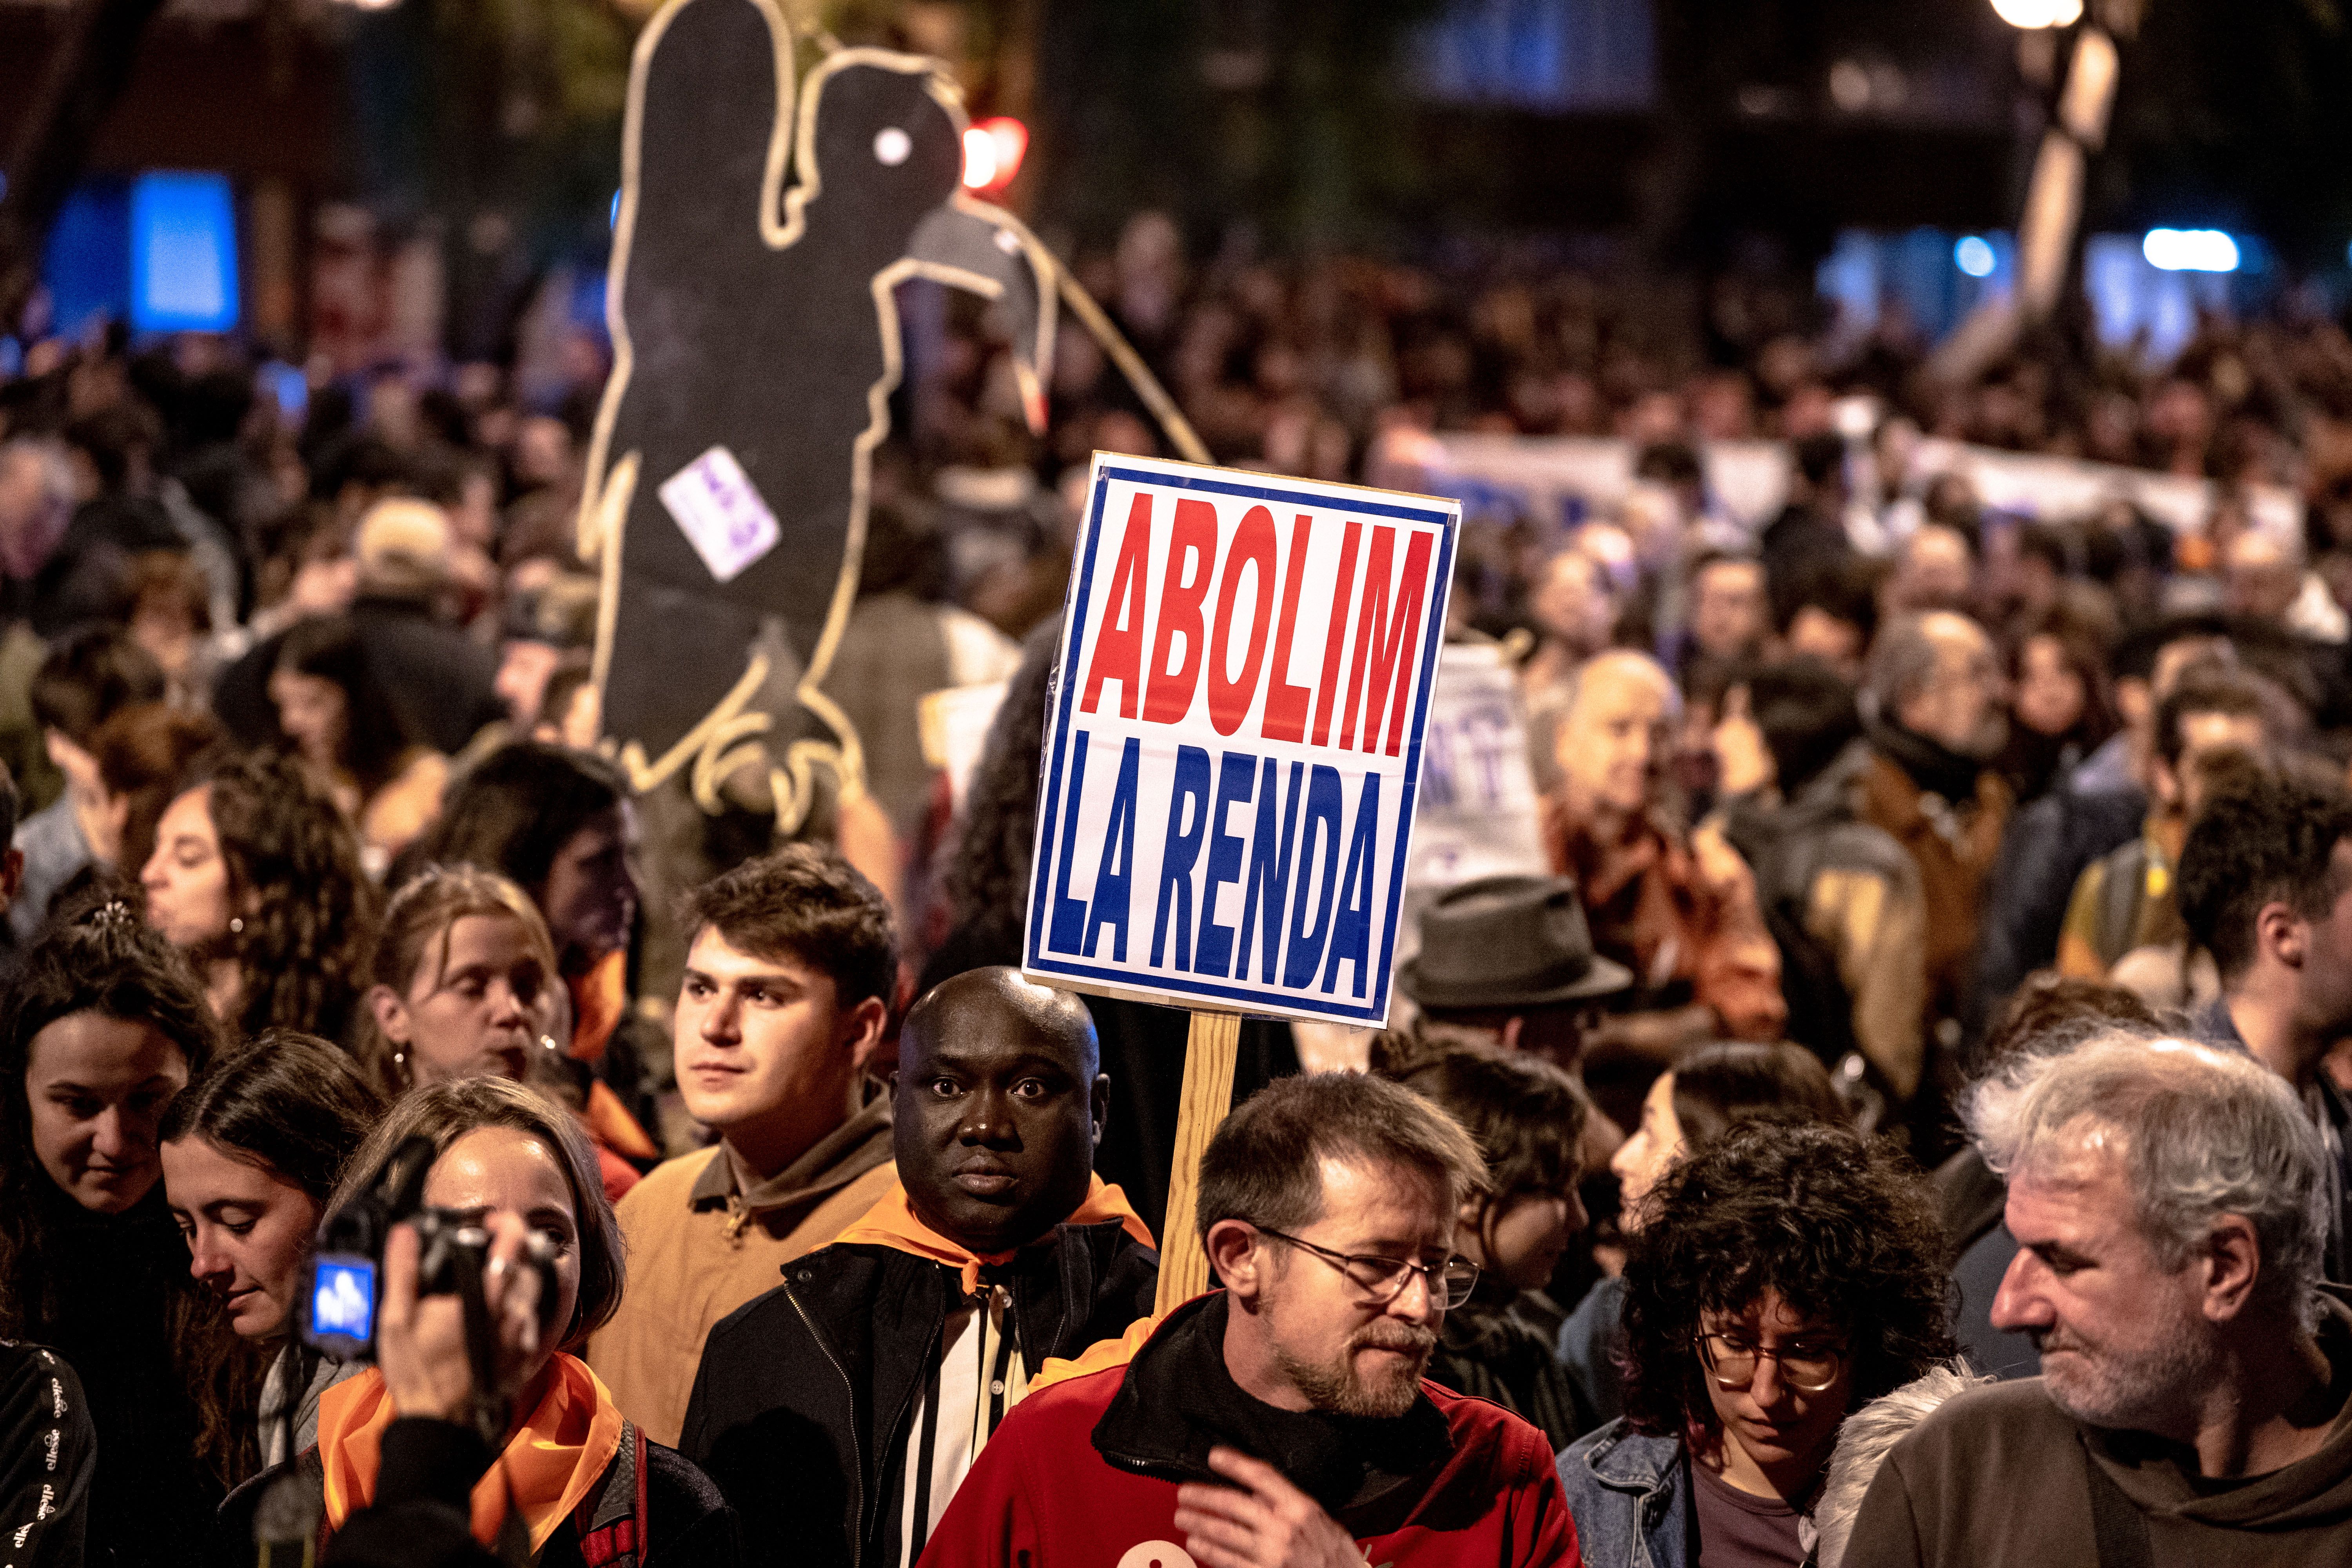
column 1630, row 1497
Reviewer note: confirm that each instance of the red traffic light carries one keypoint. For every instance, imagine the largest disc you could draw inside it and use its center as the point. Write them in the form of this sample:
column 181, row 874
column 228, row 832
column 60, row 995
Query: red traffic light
column 992, row 151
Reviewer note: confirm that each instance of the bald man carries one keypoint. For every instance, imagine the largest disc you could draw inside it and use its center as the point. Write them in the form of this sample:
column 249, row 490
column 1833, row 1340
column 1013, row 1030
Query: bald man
column 1677, row 909
column 839, row 1411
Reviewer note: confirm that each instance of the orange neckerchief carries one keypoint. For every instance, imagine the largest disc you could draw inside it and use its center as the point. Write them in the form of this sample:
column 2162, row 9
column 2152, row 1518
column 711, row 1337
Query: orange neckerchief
column 552, row 1462
column 599, row 997
column 610, row 1124
column 892, row 1223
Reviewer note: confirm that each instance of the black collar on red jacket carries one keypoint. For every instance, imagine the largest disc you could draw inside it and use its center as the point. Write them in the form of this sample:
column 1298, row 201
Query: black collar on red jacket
column 1178, row 1400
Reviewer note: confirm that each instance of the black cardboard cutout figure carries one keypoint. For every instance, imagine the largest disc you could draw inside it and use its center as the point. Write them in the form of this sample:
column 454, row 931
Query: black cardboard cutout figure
column 755, row 347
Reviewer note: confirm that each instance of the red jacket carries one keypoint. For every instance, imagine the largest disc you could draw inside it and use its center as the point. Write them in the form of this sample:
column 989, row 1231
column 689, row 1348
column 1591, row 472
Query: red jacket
column 1042, row 1495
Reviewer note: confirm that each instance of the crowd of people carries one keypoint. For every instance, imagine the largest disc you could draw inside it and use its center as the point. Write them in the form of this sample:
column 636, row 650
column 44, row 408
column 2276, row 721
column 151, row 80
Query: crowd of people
column 1904, row 1117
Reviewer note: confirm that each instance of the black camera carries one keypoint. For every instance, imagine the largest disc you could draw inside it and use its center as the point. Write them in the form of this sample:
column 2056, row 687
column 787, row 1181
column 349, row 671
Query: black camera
column 342, row 1286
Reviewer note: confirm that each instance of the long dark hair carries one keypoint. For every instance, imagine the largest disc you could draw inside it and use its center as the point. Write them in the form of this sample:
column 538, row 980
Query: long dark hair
column 1729, row 1081
column 987, row 877
column 376, row 742
column 295, row 1105
column 294, row 860
column 515, row 810
column 290, row 1101
column 1840, row 1228
column 102, row 960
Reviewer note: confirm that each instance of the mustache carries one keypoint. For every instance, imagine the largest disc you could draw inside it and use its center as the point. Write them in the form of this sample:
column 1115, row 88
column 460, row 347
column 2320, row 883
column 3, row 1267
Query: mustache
column 1394, row 1336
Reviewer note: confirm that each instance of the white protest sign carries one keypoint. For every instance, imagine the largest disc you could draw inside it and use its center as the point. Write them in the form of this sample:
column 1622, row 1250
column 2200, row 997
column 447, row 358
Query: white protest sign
column 1235, row 743
column 953, row 724
column 1479, row 815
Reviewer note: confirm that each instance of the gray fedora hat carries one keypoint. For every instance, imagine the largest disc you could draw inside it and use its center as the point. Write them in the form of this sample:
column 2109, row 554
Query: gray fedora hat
column 1508, row 942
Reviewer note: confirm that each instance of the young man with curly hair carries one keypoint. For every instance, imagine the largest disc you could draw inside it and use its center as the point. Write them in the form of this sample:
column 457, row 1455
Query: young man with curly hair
column 1780, row 1278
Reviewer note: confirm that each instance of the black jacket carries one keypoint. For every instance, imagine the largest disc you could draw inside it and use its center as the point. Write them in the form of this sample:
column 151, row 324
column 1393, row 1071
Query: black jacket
column 421, row 1513
column 48, row 1450
column 2046, row 848
column 805, row 1398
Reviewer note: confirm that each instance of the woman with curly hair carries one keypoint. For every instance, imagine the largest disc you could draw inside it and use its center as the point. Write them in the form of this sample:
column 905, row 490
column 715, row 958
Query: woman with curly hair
column 104, row 1024
column 255, row 877
column 1709, row 1090
column 1780, row 1278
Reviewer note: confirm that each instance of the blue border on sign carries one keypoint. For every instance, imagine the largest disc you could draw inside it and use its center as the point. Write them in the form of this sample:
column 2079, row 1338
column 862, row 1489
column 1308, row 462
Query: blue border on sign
column 1073, row 624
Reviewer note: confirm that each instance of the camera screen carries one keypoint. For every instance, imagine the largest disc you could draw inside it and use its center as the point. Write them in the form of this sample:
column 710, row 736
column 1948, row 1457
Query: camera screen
column 343, row 1298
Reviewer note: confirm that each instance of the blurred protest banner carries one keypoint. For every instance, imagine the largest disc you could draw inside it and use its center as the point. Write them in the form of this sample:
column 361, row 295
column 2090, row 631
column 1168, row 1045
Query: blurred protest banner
column 1562, row 480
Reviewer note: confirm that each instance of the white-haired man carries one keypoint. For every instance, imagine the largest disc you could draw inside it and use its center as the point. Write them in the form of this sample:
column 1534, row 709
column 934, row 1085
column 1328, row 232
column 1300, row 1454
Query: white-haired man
column 1677, row 909
column 2193, row 1407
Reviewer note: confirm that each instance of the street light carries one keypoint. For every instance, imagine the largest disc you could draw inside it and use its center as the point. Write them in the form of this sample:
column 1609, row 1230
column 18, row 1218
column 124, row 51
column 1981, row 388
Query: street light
column 2028, row 14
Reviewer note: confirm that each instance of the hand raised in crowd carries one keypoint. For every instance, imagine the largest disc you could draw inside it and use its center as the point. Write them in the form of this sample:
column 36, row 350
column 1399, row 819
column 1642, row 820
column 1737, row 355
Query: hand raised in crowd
column 1259, row 1521
column 421, row 1340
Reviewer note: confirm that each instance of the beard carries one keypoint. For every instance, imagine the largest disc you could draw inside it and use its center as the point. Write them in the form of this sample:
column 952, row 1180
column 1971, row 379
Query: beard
column 2141, row 1392
column 1337, row 1387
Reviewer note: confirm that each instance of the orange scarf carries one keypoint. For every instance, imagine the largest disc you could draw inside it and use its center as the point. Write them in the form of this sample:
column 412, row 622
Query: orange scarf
column 552, row 1462
column 599, row 997
column 892, row 1223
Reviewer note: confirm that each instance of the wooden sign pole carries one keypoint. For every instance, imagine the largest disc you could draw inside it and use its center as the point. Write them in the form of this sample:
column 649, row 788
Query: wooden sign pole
column 1209, row 1051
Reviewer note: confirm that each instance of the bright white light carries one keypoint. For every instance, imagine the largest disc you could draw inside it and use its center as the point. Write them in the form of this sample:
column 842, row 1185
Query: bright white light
column 2189, row 250
column 1973, row 255
column 993, row 150
column 2038, row 13
column 979, row 159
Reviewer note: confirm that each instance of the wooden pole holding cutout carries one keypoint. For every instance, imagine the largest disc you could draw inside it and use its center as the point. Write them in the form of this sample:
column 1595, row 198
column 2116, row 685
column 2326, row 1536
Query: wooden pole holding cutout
column 1210, row 1047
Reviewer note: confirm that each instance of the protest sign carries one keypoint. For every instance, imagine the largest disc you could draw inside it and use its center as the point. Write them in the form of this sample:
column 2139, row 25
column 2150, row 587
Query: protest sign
column 954, row 726
column 1233, row 749
column 1479, row 815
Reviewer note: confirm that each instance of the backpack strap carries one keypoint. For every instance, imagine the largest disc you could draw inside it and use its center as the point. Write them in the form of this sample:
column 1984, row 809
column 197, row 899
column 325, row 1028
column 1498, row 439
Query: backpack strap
column 2122, row 895
column 611, row 1521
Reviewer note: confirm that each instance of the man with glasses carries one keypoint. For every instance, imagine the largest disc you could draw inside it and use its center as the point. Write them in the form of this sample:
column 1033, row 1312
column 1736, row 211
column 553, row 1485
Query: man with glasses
column 1283, row 1422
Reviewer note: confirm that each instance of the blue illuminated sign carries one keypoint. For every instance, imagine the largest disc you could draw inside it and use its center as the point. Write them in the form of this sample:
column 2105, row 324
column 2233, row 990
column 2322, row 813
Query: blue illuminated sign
column 182, row 254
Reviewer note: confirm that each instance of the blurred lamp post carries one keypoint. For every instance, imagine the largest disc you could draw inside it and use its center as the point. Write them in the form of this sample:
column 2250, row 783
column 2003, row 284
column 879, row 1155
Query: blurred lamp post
column 2031, row 14
column 2054, row 198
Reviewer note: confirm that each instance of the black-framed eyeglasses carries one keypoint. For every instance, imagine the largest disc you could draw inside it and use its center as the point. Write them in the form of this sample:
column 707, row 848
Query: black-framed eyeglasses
column 1806, row 1365
column 1382, row 1279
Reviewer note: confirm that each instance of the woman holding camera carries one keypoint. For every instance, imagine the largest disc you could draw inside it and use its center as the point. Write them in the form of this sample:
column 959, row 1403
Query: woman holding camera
column 571, row 1476
column 103, row 1026
column 252, row 1151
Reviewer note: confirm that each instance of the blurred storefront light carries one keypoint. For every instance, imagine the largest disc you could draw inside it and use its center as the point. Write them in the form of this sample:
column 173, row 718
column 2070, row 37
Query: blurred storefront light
column 2190, row 250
